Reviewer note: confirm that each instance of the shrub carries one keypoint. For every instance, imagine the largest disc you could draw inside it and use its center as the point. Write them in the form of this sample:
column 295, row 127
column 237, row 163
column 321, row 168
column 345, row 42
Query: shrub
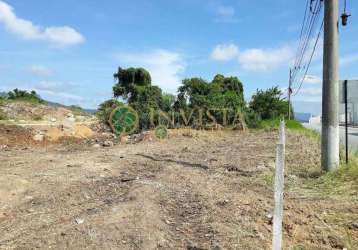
column 269, row 104
column 105, row 109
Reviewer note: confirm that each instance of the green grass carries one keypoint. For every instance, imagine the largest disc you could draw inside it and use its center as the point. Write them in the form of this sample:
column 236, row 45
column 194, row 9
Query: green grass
column 341, row 183
column 274, row 124
column 292, row 125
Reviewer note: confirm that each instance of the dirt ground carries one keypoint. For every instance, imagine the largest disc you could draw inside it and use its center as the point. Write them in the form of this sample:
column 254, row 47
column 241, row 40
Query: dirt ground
column 194, row 190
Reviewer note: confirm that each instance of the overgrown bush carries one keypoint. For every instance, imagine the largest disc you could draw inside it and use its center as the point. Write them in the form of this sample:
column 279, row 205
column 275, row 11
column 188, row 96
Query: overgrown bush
column 105, row 109
column 268, row 104
column 23, row 95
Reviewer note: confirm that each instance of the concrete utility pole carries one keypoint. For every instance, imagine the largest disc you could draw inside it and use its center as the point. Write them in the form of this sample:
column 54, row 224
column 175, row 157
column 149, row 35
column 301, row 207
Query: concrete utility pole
column 330, row 122
column 289, row 95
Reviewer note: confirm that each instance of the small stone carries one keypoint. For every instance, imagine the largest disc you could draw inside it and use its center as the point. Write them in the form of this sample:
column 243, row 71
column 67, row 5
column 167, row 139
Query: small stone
column 269, row 218
column 96, row 145
column 39, row 137
column 79, row 221
column 108, row 144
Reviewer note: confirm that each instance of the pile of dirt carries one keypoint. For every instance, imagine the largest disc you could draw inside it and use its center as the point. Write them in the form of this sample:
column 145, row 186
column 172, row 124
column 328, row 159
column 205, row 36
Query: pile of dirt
column 79, row 132
column 16, row 136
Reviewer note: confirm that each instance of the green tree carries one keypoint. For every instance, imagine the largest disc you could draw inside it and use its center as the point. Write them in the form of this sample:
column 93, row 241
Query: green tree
column 134, row 86
column 223, row 93
column 268, row 104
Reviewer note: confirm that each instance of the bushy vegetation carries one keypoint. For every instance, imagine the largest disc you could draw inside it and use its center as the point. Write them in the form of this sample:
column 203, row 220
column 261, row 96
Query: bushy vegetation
column 198, row 102
column 23, row 95
column 105, row 109
column 268, row 104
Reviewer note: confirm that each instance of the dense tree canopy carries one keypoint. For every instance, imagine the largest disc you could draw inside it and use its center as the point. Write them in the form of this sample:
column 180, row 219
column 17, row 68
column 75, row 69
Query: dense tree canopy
column 135, row 86
column 222, row 97
column 219, row 101
column 268, row 104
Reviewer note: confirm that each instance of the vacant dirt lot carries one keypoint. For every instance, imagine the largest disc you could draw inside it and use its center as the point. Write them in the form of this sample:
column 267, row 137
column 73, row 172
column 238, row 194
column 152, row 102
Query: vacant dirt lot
column 195, row 190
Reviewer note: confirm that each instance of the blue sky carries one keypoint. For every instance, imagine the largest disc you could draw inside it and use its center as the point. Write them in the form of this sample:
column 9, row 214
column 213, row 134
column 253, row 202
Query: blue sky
column 68, row 50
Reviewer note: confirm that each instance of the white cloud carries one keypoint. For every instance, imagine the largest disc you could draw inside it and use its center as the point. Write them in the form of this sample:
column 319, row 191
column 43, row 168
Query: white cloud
column 265, row 59
column 65, row 97
column 225, row 14
column 39, row 70
column 309, row 94
column 164, row 66
column 225, row 52
column 311, row 79
column 254, row 59
column 54, row 86
column 56, row 36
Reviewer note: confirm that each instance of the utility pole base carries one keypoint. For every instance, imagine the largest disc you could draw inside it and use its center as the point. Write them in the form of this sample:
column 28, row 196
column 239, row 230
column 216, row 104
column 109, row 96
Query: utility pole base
column 330, row 148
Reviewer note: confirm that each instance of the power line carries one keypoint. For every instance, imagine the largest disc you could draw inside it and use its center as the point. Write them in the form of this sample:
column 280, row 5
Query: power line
column 305, row 37
column 302, row 29
column 310, row 60
column 301, row 55
column 303, row 60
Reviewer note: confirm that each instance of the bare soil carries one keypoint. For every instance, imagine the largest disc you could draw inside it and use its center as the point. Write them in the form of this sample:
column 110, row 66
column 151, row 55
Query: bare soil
column 194, row 190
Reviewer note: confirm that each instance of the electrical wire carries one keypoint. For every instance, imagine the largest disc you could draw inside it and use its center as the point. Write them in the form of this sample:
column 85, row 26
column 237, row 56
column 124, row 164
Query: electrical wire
column 310, row 60
column 302, row 60
column 307, row 39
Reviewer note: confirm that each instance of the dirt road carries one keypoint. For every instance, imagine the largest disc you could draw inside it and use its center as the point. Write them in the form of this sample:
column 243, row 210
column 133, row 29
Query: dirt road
column 198, row 190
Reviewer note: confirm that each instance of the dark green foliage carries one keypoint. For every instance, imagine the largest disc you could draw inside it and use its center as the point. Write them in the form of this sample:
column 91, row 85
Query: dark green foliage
column 252, row 119
column 197, row 104
column 23, row 95
column 268, row 104
column 167, row 103
column 128, row 80
column 223, row 93
column 105, row 109
column 134, row 86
